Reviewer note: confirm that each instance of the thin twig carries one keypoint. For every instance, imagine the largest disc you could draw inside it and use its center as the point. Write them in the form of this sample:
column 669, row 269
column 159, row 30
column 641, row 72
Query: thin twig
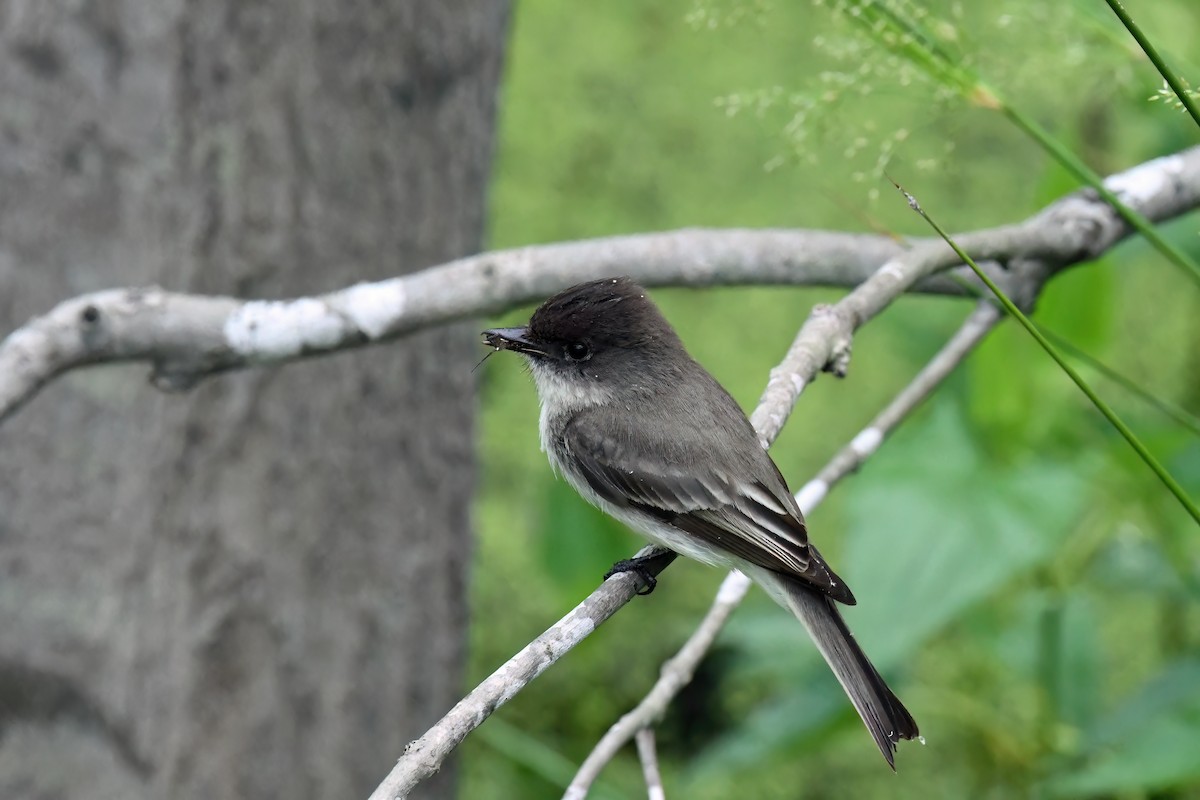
column 1076, row 228
column 678, row 671
column 824, row 341
column 974, row 328
column 648, row 754
column 424, row 756
column 186, row 338
column 1109, row 414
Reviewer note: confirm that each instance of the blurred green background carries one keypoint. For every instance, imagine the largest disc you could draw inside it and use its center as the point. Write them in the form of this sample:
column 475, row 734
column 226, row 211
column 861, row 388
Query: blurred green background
column 1028, row 587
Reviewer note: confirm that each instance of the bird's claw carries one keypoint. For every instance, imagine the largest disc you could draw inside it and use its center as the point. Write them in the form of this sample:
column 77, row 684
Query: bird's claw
column 639, row 565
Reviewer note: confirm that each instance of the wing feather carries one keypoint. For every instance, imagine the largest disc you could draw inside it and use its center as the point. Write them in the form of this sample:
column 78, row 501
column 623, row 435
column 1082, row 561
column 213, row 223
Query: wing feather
column 755, row 519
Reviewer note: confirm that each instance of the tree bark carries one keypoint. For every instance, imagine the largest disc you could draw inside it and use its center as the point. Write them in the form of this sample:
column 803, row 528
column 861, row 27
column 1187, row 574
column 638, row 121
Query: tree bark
column 257, row 589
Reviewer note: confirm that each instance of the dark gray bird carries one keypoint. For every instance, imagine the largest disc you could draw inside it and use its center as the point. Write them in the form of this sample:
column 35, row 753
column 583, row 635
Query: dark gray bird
column 646, row 434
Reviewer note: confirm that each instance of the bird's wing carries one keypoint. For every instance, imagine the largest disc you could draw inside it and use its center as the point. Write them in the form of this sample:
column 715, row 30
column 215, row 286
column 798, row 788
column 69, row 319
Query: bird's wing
column 753, row 518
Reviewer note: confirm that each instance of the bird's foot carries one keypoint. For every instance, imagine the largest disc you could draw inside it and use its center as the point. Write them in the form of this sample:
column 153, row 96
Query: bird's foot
column 645, row 567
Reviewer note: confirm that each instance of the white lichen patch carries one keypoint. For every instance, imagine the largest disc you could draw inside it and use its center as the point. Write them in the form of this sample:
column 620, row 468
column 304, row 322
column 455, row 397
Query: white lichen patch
column 811, row 494
column 733, row 588
column 273, row 329
column 1145, row 181
column 892, row 270
column 867, row 441
column 23, row 339
column 372, row 307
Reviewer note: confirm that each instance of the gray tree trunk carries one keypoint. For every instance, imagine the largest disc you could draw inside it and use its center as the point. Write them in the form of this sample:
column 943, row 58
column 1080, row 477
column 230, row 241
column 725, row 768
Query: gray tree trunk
column 256, row 590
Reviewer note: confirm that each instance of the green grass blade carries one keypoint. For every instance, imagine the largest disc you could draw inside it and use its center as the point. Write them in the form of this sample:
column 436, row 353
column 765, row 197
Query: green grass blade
column 1167, row 408
column 909, row 38
column 1181, row 91
column 1146, row 456
column 1174, row 412
column 537, row 757
column 1063, row 155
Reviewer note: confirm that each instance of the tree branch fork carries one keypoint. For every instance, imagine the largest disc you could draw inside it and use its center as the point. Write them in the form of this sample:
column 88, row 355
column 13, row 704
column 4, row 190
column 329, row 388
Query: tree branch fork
column 1070, row 231
column 186, row 338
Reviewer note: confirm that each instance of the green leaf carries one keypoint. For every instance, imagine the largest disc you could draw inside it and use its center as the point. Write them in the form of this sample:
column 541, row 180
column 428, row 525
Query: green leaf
column 1070, row 659
column 795, row 719
column 935, row 528
column 579, row 543
column 1139, row 565
column 538, row 757
column 1150, row 743
column 999, row 397
column 1078, row 306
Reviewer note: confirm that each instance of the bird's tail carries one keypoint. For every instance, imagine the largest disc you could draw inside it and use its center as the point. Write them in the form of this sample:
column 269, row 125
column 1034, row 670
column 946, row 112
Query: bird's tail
column 884, row 715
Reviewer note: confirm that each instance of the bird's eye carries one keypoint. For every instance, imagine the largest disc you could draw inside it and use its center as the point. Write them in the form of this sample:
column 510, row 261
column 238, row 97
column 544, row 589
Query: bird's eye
column 578, row 351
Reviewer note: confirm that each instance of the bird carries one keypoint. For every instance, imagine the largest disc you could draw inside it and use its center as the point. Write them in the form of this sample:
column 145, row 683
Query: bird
column 642, row 431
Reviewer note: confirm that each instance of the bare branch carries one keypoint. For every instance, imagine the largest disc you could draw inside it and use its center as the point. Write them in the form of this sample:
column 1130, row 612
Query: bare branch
column 678, row 671
column 189, row 337
column 974, row 329
column 649, row 756
column 186, row 338
column 1075, row 228
column 424, row 756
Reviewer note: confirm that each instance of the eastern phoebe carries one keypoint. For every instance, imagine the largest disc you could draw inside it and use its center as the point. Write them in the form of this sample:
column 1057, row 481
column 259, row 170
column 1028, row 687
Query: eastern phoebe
column 643, row 432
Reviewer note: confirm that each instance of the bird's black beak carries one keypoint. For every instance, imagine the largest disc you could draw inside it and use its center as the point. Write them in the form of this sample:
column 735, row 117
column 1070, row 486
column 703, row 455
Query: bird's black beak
column 514, row 339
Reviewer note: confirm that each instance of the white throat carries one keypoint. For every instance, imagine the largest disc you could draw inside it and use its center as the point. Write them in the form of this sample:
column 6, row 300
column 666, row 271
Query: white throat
column 561, row 396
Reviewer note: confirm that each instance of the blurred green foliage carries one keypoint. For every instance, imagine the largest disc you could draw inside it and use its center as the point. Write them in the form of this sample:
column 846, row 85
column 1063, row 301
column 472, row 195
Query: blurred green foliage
column 1028, row 586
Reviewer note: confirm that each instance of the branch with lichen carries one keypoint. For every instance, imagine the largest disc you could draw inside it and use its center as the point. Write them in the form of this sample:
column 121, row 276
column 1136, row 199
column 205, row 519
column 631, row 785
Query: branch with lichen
column 186, row 338
column 1077, row 228
column 677, row 672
